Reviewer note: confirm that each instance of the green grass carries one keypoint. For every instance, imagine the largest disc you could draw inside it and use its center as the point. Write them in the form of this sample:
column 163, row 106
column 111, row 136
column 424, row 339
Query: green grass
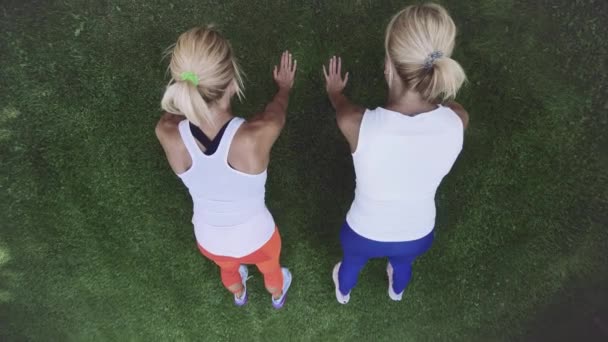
column 95, row 234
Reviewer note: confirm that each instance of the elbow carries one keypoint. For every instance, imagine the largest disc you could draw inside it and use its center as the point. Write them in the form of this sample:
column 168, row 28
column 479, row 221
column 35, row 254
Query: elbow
column 276, row 117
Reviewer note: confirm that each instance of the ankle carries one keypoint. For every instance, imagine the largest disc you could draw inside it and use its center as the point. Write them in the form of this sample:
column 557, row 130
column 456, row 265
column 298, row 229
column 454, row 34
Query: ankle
column 240, row 294
column 237, row 289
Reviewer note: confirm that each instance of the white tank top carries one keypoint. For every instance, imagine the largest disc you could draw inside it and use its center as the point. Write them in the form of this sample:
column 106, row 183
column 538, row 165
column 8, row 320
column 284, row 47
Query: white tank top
column 230, row 215
column 399, row 162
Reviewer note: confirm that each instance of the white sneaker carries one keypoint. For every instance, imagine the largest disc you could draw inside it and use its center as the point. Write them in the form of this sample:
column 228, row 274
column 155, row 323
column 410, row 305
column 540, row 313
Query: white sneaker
column 342, row 299
column 391, row 293
column 244, row 272
column 279, row 302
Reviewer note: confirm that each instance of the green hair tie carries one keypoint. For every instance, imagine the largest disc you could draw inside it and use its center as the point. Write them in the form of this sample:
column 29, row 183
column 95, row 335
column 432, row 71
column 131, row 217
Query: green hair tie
column 190, row 77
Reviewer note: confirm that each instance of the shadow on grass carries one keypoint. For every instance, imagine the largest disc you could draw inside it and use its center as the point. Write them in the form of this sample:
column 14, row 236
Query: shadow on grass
column 579, row 312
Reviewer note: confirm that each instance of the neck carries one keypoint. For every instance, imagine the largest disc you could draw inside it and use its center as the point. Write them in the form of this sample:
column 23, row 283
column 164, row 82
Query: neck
column 222, row 110
column 407, row 102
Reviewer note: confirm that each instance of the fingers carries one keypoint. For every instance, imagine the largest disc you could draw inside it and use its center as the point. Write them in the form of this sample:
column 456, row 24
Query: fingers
column 287, row 62
column 284, row 72
column 345, row 79
column 284, row 60
column 335, row 69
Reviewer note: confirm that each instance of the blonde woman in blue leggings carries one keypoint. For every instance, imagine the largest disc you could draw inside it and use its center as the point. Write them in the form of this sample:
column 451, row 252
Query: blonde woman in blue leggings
column 401, row 151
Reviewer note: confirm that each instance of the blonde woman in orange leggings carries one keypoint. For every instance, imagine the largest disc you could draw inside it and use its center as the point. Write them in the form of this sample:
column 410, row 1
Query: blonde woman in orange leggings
column 222, row 159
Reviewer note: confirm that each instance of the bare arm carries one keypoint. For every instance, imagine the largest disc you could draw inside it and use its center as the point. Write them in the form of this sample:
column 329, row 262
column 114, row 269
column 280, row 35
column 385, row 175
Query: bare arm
column 348, row 115
column 167, row 133
column 267, row 125
column 460, row 111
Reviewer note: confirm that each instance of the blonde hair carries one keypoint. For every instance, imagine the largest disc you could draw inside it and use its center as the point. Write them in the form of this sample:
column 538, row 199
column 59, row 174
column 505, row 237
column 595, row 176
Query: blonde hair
column 419, row 42
column 202, row 67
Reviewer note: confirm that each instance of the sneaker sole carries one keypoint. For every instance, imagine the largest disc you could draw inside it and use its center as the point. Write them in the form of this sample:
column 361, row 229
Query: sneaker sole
column 244, row 280
column 337, row 286
column 245, row 301
column 389, row 273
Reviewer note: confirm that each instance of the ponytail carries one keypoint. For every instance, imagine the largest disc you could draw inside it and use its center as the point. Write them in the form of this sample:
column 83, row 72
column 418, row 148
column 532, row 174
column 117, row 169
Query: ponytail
column 442, row 80
column 182, row 97
column 419, row 43
column 202, row 67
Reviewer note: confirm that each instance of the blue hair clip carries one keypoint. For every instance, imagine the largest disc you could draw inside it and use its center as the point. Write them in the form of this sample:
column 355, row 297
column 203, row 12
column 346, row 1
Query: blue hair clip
column 430, row 60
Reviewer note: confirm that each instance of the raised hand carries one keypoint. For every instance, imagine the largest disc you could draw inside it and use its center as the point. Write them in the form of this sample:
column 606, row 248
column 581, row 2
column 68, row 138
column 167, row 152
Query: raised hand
column 284, row 74
column 334, row 81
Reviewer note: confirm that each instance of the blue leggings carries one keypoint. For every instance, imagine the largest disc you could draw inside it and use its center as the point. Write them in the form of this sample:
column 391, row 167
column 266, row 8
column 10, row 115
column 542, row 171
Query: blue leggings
column 358, row 250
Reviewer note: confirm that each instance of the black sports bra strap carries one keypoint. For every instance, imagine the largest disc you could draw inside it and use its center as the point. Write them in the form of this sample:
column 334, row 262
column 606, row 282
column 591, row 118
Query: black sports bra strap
column 210, row 145
column 199, row 135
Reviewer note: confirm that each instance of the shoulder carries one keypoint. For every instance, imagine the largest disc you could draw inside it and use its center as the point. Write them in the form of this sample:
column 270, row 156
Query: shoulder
column 452, row 126
column 261, row 125
column 256, row 125
column 167, row 132
column 258, row 132
column 246, row 132
column 460, row 113
column 167, row 127
column 250, row 147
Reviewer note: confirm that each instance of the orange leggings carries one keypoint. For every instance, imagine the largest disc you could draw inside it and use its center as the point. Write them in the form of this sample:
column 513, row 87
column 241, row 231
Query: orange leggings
column 266, row 258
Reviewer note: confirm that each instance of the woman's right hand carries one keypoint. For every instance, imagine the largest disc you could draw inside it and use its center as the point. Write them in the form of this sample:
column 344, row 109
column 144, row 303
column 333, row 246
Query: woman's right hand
column 285, row 73
column 334, row 81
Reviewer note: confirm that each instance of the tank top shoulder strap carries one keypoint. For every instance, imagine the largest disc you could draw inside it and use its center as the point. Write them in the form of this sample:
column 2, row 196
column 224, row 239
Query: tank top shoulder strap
column 226, row 142
column 188, row 139
column 367, row 125
column 451, row 117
